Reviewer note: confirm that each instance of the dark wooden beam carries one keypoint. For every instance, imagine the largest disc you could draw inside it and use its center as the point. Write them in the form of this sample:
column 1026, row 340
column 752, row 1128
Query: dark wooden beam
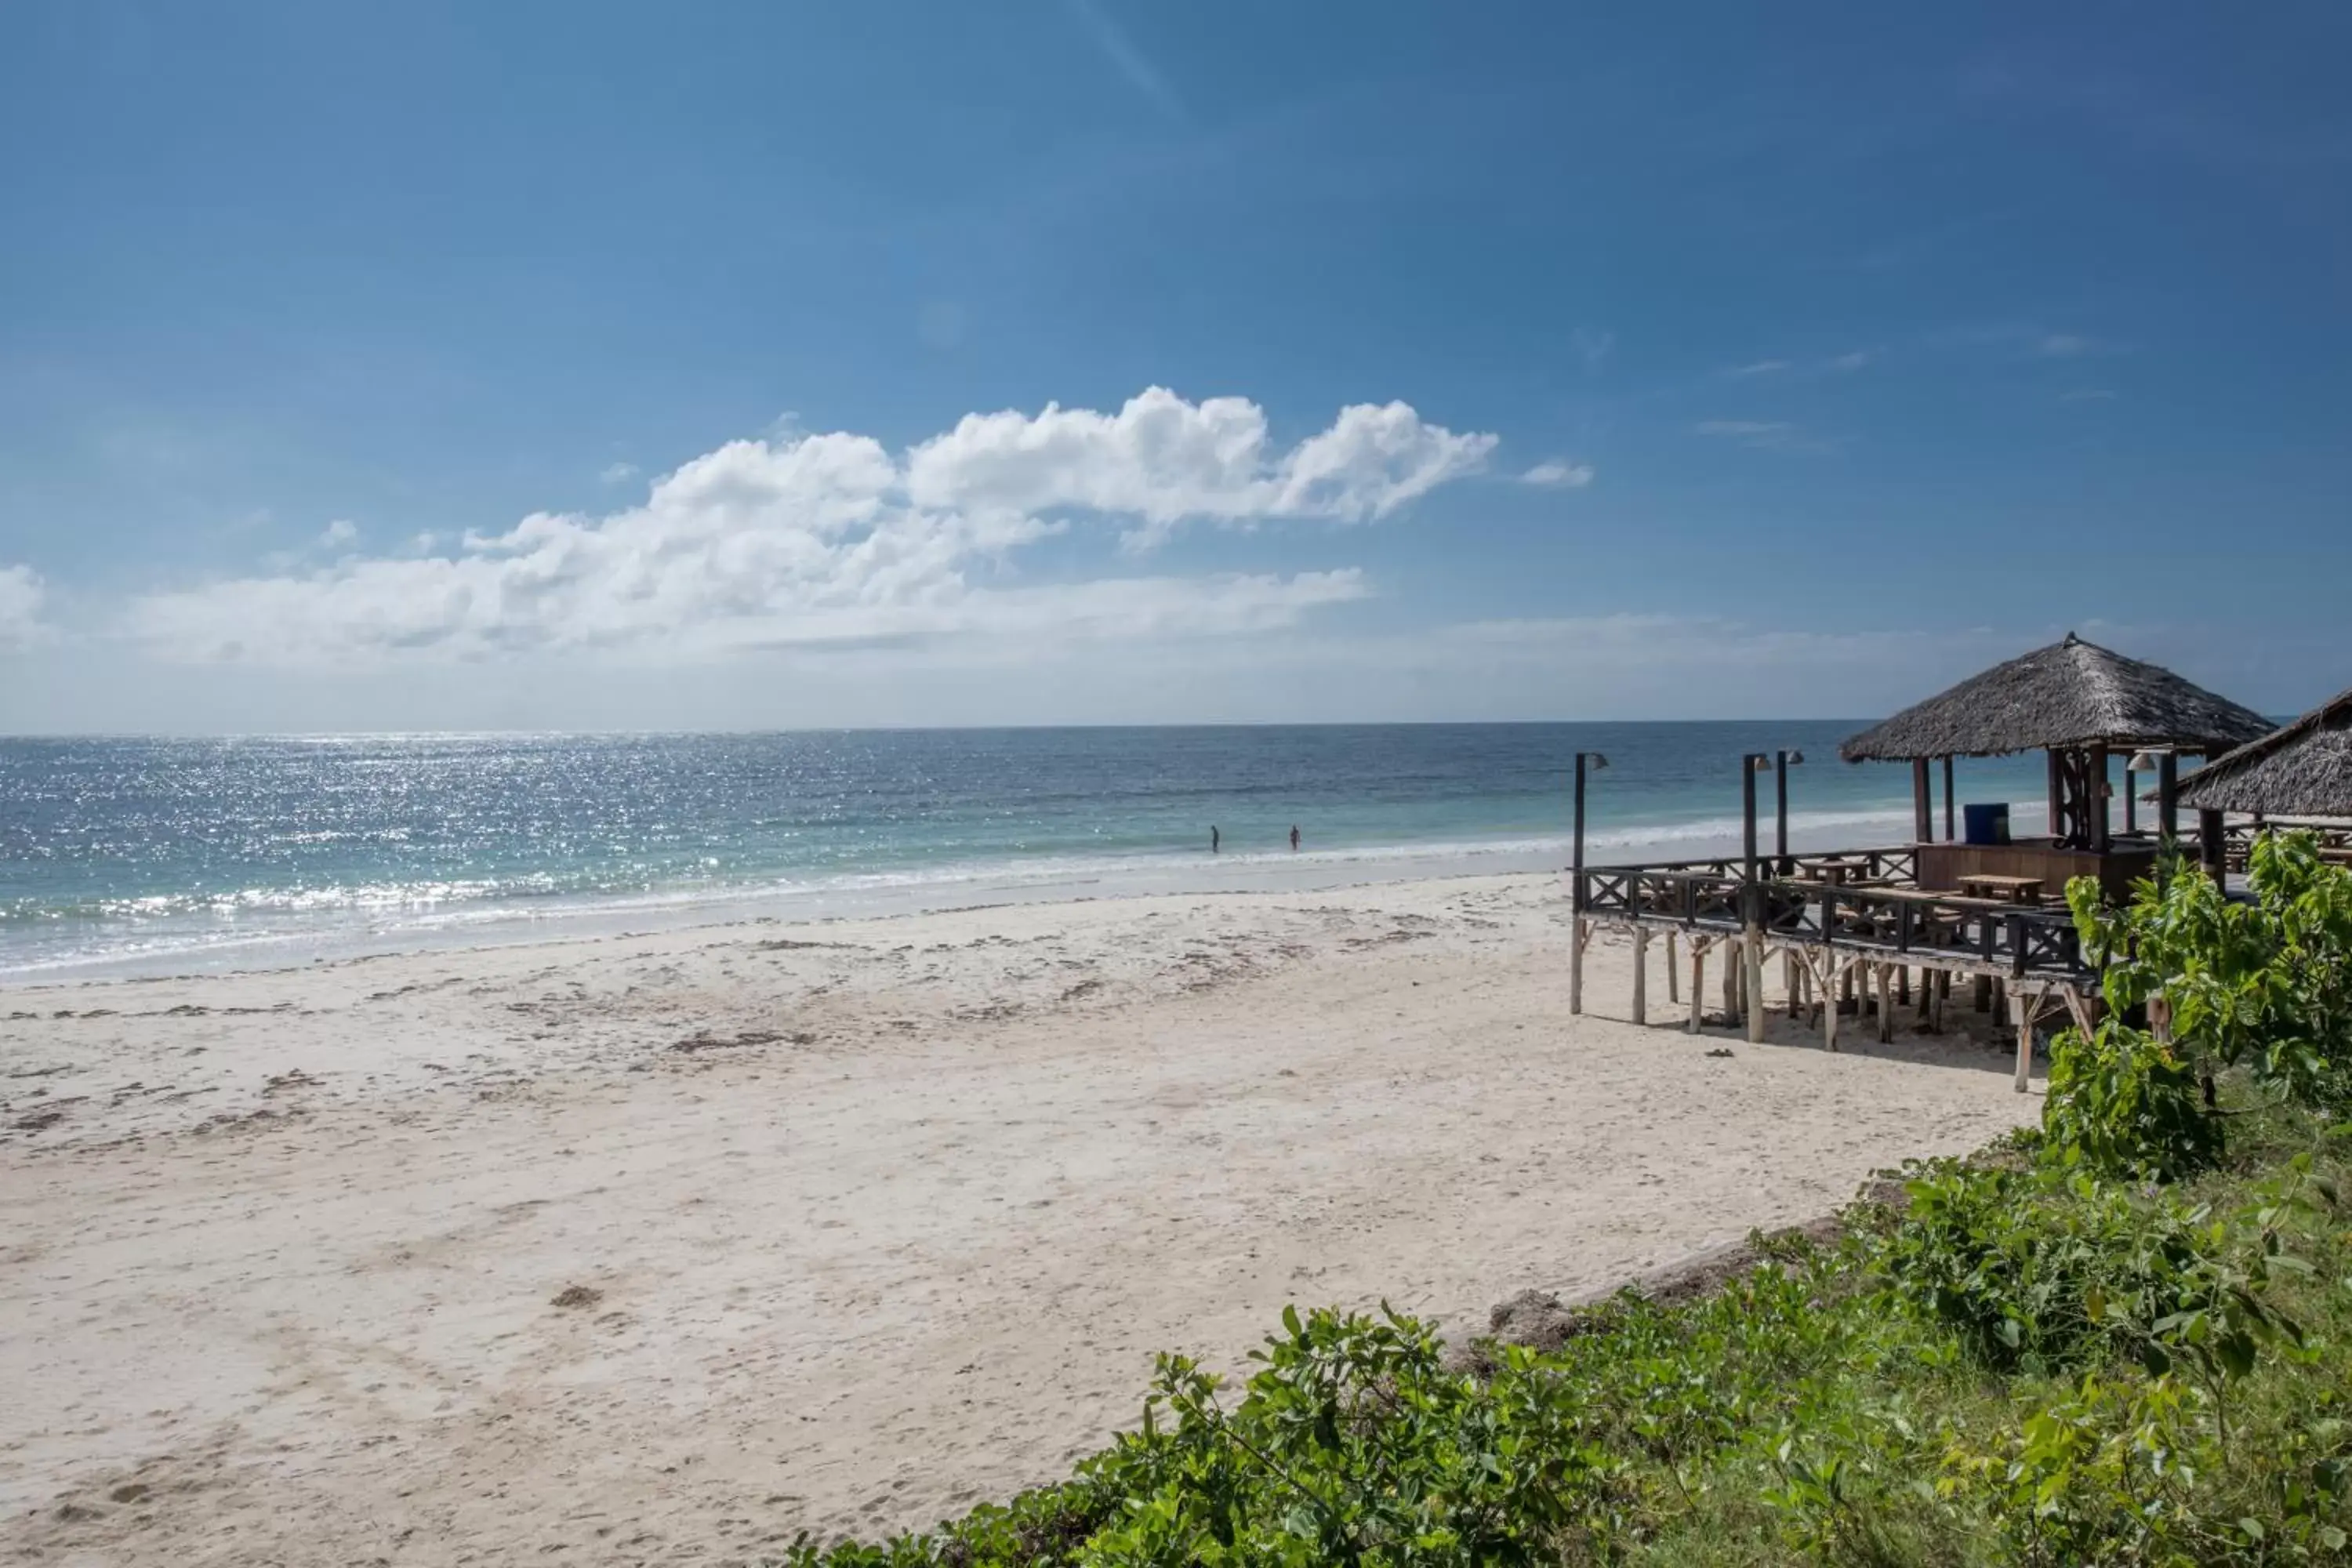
column 1948, row 835
column 1923, row 810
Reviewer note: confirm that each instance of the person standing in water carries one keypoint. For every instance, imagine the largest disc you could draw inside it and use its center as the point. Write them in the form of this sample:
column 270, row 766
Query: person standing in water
column 1213, row 839
column 1294, row 838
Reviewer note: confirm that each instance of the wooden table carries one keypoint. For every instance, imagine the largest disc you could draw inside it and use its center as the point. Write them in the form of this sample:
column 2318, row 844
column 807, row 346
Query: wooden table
column 2002, row 890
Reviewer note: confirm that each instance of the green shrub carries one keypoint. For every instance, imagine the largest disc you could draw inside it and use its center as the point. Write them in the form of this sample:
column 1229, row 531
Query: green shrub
column 2123, row 1103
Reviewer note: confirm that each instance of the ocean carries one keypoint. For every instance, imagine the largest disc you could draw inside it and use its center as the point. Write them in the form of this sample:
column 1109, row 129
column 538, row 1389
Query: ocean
column 127, row 855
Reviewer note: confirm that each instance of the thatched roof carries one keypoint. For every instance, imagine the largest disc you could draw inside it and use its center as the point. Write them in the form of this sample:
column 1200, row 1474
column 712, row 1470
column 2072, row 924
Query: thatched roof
column 2072, row 693
column 2304, row 769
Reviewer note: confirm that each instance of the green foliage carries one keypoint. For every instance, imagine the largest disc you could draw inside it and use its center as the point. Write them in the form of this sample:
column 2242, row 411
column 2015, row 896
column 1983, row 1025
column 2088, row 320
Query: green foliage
column 2264, row 983
column 2124, row 1103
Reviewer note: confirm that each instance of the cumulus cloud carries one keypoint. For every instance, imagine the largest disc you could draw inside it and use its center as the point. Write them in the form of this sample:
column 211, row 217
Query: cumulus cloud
column 340, row 534
column 618, row 473
column 1163, row 460
column 1559, row 474
column 21, row 596
column 806, row 540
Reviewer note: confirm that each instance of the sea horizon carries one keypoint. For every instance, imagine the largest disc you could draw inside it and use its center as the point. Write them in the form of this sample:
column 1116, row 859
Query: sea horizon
column 144, row 855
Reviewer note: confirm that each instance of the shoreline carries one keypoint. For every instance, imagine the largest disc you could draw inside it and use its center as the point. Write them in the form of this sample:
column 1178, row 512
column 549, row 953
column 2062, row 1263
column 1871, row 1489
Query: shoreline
column 712, row 1236
column 463, row 928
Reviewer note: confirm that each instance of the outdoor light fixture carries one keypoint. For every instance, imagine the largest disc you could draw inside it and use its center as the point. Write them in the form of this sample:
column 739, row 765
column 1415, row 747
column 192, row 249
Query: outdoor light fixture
column 2141, row 762
column 1793, row 758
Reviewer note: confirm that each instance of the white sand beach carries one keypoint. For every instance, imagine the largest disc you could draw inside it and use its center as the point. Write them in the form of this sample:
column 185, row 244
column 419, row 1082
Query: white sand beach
column 668, row 1248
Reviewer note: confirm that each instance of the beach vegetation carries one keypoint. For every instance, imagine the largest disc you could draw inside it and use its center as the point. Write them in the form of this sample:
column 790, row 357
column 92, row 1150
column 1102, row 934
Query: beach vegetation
column 2124, row 1338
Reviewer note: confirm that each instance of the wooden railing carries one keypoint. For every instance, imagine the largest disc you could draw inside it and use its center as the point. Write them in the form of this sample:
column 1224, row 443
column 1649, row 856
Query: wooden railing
column 1856, row 899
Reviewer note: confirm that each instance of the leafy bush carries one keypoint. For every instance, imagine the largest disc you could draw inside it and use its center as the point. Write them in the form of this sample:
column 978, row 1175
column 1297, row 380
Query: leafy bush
column 2124, row 1103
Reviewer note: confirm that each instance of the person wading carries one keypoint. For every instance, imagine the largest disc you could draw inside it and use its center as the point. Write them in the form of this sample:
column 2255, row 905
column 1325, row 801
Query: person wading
column 1294, row 838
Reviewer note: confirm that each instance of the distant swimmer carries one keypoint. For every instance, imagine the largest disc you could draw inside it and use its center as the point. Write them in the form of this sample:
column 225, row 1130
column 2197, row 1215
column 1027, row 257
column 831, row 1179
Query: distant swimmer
column 1212, row 840
column 1294, row 838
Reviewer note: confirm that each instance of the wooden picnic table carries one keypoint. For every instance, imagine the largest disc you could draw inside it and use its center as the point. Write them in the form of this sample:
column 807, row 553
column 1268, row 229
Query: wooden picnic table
column 2001, row 890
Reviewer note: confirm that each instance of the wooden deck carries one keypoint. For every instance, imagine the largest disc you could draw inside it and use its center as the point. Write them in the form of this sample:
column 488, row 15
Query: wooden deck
column 1850, row 927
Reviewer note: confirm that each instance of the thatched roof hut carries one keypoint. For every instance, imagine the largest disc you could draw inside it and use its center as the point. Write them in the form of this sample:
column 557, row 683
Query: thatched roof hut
column 2302, row 770
column 2070, row 696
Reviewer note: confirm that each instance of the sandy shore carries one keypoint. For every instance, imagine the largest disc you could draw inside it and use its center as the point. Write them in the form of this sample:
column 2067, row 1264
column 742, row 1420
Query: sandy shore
column 853, row 1224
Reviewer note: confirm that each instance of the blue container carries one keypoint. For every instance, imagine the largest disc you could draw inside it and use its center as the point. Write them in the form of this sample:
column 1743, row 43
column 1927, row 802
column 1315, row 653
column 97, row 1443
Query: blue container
column 1986, row 824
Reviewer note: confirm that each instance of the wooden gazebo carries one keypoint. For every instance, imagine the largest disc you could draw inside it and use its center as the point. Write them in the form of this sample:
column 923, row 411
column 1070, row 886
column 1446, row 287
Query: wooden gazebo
column 2080, row 703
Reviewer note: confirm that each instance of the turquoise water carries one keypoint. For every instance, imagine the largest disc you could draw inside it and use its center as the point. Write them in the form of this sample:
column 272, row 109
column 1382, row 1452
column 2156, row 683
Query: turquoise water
column 164, row 854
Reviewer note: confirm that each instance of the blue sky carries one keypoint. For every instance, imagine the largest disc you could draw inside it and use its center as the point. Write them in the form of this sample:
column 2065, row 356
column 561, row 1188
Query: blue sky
column 1519, row 361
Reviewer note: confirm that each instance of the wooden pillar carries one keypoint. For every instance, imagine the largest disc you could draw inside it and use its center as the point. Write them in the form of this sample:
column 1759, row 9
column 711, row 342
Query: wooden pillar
column 1792, row 988
column 2168, row 795
column 1580, row 932
column 1903, row 984
column 2131, row 799
column 1922, row 811
column 1830, row 1007
column 2210, row 845
column 1780, row 815
column 1885, row 1011
column 2021, row 1009
column 1980, row 994
column 1641, row 975
column 2094, row 796
column 1699, row 982
column 1731, row 966
column 2057, row 793
column 1751, row 985
column 1948, row 834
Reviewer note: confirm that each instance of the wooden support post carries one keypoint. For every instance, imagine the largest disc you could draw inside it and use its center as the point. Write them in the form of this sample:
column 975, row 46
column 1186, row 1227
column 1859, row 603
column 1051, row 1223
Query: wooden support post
column 1885, row 1011
column 1641, row 975
column 2057, row 795
column 1980, row 994
column 2210, row 848
column 1829, row 1011
column 2022, row 1007
column 1730, row 980
column 2131, row 798
column 1948, row 834
column 1699, row 982
column 2094, row 796
column 2167, row 794
column 1751, row 984
column 1923, row 813
column 1926, row 1021
column 1580, row 932
column 1674, row 971
column 1845, row 987
column 1903, row 984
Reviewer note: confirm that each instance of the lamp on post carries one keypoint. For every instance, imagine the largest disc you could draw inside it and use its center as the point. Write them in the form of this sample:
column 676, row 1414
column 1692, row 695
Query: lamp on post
column 1782, row 763
column 1594, row 762
column 1751, row 945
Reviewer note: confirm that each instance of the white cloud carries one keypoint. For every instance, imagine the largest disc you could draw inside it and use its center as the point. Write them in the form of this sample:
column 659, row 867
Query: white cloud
column 1164, row 459
column 339, row 535
column 805, row 541
column 1854, row 361
column 1759, row 367
column 21, row 597
column 618, row 473
column 1559, row 474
